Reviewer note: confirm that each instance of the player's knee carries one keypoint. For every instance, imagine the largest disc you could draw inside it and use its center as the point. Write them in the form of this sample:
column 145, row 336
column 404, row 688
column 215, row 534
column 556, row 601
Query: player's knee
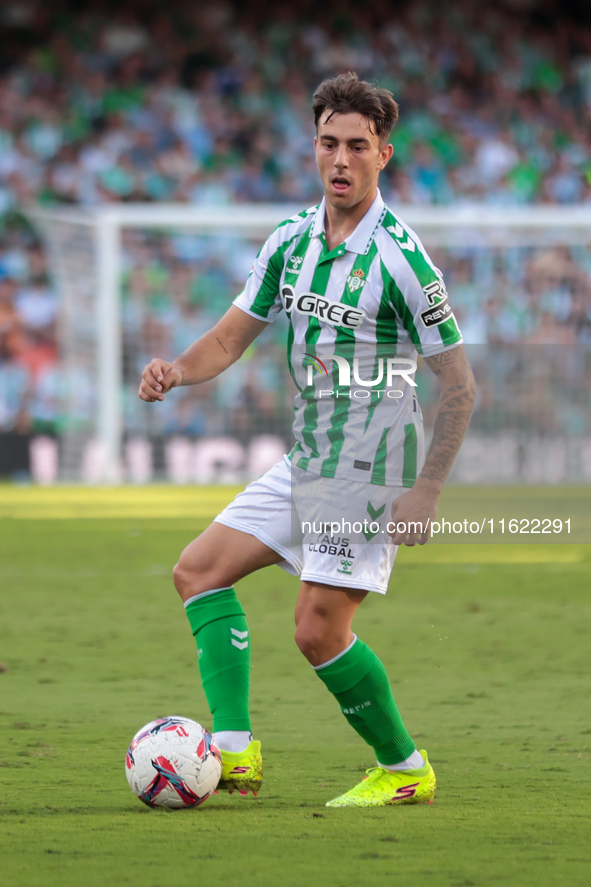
column 304, row 641
column 194, row 576
column 180, row 578
column 311, row 641
column 187, row 580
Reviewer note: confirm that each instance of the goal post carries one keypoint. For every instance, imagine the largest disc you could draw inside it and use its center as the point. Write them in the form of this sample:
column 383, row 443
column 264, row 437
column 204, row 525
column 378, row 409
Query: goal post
column 88, row 261
column 109, row 353
column 84, row 248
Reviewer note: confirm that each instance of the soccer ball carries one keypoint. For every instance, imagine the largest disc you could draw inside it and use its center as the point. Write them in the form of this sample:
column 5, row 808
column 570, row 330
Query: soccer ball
column 173, row 762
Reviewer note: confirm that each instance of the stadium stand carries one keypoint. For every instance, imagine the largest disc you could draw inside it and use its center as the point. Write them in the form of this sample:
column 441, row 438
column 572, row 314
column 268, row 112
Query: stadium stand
column 209, row 104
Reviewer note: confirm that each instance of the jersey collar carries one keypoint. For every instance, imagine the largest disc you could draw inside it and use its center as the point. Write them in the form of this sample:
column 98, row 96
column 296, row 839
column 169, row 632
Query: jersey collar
column 362, row 237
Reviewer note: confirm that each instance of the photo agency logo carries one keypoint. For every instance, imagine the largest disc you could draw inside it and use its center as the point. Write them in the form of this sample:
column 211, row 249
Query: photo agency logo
column 389, row 371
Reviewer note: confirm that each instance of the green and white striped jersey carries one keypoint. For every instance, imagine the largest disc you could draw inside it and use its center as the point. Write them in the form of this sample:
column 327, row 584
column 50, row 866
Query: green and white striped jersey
column 357, row 314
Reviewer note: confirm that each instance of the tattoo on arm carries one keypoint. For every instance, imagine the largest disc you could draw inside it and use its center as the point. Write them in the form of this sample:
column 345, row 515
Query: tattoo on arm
column 221, row 344
column 454, row 411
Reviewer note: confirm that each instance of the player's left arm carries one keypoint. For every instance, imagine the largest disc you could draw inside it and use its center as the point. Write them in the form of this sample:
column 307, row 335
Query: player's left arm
column 458, row 392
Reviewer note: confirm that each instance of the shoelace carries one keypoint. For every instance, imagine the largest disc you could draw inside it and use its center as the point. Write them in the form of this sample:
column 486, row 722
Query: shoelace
column 373, row 774
column 373, row 770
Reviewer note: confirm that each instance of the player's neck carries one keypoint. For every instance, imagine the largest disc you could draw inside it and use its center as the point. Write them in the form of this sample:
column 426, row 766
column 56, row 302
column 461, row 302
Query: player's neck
column 340, row 222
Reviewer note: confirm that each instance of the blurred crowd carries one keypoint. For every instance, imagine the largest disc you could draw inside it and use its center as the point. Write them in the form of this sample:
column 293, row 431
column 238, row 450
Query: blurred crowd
column 175, row 288
column 28, row 342
column 209, row 104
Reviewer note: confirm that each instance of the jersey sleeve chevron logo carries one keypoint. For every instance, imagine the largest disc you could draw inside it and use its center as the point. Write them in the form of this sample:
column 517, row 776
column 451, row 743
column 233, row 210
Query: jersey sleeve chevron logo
column 399, row 233
column 440, row 309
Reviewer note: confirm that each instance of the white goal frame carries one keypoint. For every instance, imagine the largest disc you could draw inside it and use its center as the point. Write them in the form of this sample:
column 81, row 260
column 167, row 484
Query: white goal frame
column 445, row 226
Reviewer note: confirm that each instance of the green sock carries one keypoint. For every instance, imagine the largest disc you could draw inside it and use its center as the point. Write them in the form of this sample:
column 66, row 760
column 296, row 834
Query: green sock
column 358, row 681
column 223, row 647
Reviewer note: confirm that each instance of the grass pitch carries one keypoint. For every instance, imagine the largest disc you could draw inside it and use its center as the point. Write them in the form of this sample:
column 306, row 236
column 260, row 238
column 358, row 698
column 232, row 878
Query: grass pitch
column 487, row 648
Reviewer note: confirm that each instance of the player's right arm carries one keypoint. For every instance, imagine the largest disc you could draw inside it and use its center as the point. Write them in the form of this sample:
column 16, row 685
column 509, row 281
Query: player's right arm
column 257, row 305
column 205, row 359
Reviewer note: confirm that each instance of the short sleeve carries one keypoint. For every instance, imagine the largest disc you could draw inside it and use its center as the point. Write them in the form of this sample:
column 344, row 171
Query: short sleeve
column 260, row 297
column 418, row 294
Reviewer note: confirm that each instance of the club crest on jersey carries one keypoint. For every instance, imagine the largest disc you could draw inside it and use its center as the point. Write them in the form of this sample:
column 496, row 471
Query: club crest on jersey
column 440, row 309
column 333, row 313
column 355, row 280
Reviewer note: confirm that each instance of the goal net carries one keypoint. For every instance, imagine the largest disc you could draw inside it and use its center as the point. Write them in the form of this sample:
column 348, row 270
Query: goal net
column 138, row 281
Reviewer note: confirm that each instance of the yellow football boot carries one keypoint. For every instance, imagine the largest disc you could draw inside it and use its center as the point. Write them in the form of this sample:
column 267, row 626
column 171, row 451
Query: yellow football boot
column 380, row 788
column 242, row 771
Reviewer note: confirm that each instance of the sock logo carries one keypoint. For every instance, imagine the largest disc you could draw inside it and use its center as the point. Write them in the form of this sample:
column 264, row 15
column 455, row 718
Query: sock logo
column 353, row 711
column 241, row 644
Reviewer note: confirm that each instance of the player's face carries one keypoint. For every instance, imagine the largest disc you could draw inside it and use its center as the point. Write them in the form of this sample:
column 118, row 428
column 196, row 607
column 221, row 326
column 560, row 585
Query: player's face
column 349, row 156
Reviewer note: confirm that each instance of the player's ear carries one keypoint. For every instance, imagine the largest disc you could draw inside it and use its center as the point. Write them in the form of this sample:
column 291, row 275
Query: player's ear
column 315, row 149
column 385, row 155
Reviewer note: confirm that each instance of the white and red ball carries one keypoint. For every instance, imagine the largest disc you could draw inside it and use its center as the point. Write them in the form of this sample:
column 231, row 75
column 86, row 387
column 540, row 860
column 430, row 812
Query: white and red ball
column 173, row 762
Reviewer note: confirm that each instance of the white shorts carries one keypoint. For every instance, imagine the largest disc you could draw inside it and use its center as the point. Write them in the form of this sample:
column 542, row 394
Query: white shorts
column 287, row 510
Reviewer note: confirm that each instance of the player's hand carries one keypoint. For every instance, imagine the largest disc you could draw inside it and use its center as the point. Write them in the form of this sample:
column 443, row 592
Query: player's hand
column 158, row 378
column 416, row 510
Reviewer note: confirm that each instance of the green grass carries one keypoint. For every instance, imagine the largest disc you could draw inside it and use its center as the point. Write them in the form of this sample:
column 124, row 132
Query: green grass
column 489, row 663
